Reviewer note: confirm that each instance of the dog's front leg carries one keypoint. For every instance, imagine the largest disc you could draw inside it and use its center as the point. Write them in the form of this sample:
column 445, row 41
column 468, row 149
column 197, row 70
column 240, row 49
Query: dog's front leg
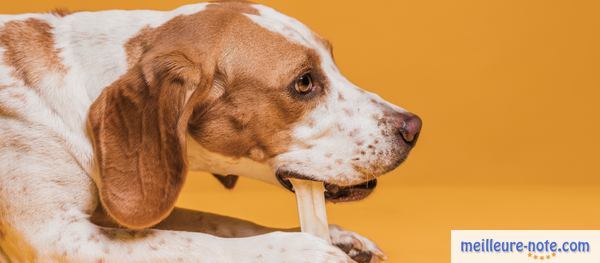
column 81, row 241
column 238, row 240
column 361, row 249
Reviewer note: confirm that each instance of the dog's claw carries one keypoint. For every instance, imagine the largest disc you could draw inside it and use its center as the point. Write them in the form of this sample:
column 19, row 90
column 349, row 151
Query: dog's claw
column 359, row 248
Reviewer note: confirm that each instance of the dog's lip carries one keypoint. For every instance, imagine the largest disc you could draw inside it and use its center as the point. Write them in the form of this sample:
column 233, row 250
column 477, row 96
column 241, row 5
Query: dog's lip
column 333, row 192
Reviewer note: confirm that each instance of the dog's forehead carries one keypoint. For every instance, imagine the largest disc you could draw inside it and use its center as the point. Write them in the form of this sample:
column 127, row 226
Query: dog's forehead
column 290, row 28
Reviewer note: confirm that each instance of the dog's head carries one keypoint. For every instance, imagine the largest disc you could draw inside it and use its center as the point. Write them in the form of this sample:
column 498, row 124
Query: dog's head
column 238, row 89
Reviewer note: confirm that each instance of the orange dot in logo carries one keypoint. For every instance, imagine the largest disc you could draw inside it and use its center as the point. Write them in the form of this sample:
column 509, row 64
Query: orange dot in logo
column 529, row 255
column 534, row 257
column 548, row 256
column 554, row 254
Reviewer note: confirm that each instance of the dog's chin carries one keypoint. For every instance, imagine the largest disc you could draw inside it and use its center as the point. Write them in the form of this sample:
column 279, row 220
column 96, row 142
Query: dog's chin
column 333, row 193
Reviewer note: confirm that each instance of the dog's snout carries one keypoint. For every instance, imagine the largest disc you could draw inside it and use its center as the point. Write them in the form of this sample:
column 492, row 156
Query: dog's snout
column 410, row 126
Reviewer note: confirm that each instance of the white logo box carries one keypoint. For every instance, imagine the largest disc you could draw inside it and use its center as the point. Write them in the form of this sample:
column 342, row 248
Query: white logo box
column 551, row 246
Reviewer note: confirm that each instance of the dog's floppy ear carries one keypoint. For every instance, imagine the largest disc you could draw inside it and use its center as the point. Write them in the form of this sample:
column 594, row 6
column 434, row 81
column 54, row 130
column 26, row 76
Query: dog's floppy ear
column 139, row 125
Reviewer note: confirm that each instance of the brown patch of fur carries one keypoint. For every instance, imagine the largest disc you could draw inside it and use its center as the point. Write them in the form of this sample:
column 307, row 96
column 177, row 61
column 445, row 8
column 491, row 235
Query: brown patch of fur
column 138, row 45
column 256, row 109
column 30, row 50
column 235, row 5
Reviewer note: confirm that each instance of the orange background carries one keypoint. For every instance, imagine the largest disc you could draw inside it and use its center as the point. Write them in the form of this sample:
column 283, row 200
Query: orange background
column 508, row 91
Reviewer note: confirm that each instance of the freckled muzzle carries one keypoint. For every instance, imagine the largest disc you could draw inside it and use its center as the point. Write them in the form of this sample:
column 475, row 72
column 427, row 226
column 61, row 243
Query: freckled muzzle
column 333, row 193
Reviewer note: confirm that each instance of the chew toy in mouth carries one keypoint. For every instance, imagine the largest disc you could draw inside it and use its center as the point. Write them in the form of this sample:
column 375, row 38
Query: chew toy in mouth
column 311, row 207
column 333, row 193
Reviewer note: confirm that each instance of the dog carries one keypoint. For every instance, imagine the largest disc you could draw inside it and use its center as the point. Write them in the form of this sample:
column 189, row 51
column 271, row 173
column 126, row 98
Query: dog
column 102, row 114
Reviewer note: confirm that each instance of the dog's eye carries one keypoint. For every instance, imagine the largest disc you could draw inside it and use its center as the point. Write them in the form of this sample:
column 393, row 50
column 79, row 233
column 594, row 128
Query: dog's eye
column 304, row 84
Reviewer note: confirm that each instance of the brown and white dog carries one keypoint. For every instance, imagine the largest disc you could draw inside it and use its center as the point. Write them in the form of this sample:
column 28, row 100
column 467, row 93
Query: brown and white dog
column 103, row 113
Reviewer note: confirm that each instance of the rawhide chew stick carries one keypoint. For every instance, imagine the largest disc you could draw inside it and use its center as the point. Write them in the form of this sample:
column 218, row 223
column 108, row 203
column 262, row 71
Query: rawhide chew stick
column 311, row 207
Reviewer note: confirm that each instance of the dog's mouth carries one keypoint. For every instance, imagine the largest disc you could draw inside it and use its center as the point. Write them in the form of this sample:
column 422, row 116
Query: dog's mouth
column 333, row 193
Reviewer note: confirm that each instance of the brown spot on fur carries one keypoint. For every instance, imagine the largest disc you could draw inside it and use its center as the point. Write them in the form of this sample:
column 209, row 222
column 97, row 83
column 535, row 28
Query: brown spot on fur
column 72, row 219
column 9, row 112
column 19, row 96
column 348, row 112
column 108, row 233
column 30, row 50
column 61, row 12
column 94, row 238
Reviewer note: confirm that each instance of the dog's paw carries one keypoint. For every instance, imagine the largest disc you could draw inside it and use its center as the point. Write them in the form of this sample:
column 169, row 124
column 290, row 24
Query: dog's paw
column 287, row 247
column 359, row 248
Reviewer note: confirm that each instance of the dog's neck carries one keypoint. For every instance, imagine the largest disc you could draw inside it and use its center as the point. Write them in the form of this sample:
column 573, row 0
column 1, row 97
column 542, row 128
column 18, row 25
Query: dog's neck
column 201, row 159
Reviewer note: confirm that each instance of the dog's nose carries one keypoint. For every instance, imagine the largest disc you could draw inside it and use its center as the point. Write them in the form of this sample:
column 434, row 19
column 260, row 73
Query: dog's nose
column 410, row 128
